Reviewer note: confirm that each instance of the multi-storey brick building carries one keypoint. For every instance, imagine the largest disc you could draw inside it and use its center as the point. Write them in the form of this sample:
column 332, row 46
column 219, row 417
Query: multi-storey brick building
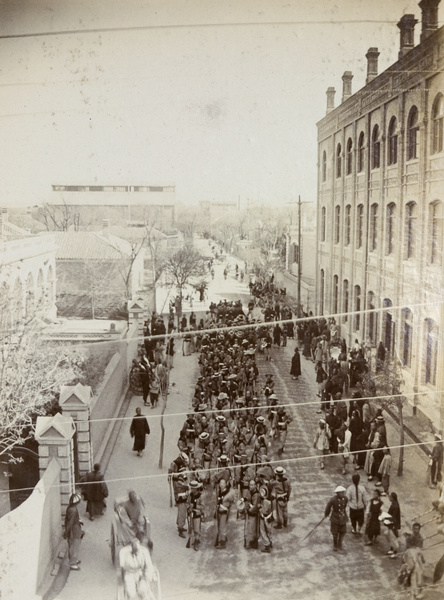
column 380, row 206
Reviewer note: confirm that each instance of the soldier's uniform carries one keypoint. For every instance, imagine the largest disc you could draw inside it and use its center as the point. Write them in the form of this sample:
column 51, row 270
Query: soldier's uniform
column 282, row 421
column 282, row 491
column 251, row 531
column 196, row 513
column 225, row 498
column 265, row 517
column 180, row 485
column 336, row 508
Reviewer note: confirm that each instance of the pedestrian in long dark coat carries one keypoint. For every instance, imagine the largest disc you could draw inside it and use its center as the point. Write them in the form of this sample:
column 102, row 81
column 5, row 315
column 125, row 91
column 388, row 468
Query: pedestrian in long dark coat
column 138, row 430
column 296, row 364
column 95, row 491
column 73, row 531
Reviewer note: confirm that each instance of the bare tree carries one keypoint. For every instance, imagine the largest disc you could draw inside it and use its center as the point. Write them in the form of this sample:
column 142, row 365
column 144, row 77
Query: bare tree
column 185, row 264
column 58, row 217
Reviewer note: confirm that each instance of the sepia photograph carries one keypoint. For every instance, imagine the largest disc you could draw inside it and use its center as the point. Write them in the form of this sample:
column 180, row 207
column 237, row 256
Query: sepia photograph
column 221, row 300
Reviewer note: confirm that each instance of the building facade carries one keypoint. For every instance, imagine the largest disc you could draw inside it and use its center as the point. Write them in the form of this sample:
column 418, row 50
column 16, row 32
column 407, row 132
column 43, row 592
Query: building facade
column 380, row 207
column 27, row 276
column 87, row 205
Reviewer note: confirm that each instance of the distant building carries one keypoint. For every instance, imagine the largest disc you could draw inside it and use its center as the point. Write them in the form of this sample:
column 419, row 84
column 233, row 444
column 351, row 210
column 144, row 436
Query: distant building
column 97, row 273
column 212, row 211
column 27, row 276
column 380, row 206
column 89, row 204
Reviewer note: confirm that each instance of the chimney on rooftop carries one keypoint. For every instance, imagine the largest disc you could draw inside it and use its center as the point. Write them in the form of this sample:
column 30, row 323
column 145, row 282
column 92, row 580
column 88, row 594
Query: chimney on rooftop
column 372, row 64
column 429, row 18
column 330, row 99
column 347, row 85
column 406, row 27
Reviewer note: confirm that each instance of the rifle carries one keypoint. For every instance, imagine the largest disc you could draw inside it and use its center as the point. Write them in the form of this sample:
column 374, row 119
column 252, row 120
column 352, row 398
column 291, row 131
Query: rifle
column 171, row 491
column 190, row 529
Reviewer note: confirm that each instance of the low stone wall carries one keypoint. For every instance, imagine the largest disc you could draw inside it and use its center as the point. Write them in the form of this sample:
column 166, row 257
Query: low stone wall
column 29, row 539
column 105, row 404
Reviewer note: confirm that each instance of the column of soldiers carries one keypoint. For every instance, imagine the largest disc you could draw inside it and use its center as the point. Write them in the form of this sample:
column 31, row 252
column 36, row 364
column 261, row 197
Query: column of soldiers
column 223, row 465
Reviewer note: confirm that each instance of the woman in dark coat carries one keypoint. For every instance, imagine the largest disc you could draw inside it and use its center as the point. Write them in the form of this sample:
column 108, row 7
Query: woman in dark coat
column 73, row 531
column 373, row 527
column 296, row 364
column 95, row 493
column 139, row 429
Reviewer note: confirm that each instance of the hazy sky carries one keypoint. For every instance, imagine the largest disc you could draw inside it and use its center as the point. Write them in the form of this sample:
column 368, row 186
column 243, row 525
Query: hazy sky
column 220, row 98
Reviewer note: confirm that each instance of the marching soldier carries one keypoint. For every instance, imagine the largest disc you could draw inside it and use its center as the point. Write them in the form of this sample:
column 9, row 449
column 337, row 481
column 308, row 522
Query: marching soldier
column 181, row 462
column 265, row 516
column 282, row 491
column 225, row 498
column 336, row 508
column 196, row 514
column 203, row 454
column 223, row 473
column 180, row 486
column 281, row 427
column 251, row 528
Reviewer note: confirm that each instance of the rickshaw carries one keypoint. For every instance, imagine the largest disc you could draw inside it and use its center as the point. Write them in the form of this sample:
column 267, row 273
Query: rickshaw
column 121, row 539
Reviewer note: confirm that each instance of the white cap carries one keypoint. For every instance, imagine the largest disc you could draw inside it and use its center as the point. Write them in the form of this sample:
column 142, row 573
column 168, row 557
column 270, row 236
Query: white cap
column 339, row 489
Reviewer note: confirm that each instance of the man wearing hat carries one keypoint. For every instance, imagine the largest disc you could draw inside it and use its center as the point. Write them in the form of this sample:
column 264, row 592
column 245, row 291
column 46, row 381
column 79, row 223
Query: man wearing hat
column 196, row 513
column 265, row 515
column 322, row 441
column 203, row 454
column 180, row 486
column 252, row 516
column 282, row 491
column 336, row 508
column 282, row 420
column 73, row 531
column 224, row 500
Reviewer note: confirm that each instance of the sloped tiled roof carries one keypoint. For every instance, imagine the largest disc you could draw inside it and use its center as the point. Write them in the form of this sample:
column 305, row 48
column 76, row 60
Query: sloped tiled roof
column 90, row 245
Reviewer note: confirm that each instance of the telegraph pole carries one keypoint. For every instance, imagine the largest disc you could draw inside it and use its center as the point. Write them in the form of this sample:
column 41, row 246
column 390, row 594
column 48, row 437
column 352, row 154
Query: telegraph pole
column 299, row 256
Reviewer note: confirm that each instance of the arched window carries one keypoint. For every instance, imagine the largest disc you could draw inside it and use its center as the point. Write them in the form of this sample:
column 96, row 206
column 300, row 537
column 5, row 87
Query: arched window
column 345, row 300
column 407, row 336
column 431, row 350
column 323, row 223
column 392, row 142
column 359, row 225
column 337, row 223
column 436, row 232
column 335, row 293
column 437, row 124
column 389, row 325
column 321, row 291
column 357, row 316
column 349, row 164
column 376, row 148
column 361, row 152
column 347, row 225
column 372, row 317
column 338, row 160
column 412, row 134
column 410, row 229
column 373, row 227
column 390, row 228
column 324, row 166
